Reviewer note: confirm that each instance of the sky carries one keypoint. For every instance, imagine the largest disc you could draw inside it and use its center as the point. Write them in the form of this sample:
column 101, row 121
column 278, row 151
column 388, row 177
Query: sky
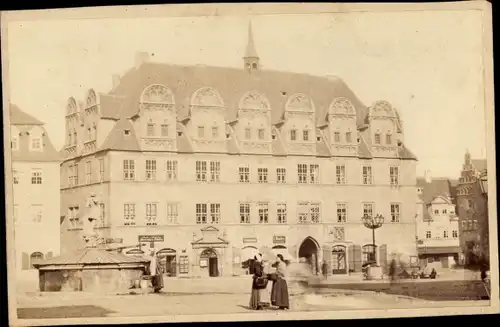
column 428, row 65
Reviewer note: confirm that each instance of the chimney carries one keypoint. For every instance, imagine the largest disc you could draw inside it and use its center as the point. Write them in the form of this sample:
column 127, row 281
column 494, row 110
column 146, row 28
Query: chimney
column 116, row 80
column 141, row 58
column 427, row 176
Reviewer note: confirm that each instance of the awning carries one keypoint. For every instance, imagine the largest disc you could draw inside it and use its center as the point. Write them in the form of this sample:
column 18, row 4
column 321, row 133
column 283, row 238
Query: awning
column 439, row 249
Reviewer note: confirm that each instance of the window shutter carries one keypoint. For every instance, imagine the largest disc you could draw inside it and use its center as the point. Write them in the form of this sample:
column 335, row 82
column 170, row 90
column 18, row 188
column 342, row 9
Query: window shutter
column 383, row 257
column 25, row 261
column 350, row 257
column 358, row 258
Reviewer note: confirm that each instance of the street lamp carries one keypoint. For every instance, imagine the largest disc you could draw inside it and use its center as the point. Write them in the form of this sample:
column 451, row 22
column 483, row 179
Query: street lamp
column 373, row 223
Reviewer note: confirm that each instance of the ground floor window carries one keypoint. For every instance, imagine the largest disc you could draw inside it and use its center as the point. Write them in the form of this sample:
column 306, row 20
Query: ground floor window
column 369, row 253
column 34, row 258
column 183, row 264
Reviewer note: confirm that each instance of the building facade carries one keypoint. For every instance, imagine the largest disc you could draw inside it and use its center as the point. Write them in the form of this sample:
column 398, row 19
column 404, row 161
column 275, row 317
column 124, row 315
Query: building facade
column 36, row 200
column 472, row 201
column 215, row 164
column 437, row 224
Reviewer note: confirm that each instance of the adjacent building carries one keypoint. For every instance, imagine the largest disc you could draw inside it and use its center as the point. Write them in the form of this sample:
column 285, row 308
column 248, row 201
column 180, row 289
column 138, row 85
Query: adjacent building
column 472, row 201
column 36, row 200
column 210, row 165
column 438, row 230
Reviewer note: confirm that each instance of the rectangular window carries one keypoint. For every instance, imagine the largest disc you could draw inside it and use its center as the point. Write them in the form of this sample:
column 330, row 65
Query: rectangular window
column 151, row 129
column 36, row 176
column 454, row 234
column 436, row 212
column 214, row 213
column 341, row 212
column 245, row 213
column 201, row 132
column 367, row 175
column 102, row 215
column 164, row 130
column 303, row 212
column 248, row 133
column 172, row 212
column 293, row 134
column 348, row 137
column 280, row 175
column 214, row 171
column 281, row 213
column 314, row 174
column 377, row 138
column 340, row 174
column 262, row 175
column 315, row 213
column 151, row 170
column 70, row 175
column 444, row 211
column 428, row 234
column 395, row 212
column 76, row 179
column 151, row 213
column 394, row 174
column 305, row 135
column 101, row 170
column 36, row 144
column 201, row 171
column 201, row 213
column 128, row 170
column 15, row 177
column 129, row 214
column 171, row 168
column 368, row 209
column 261, row 133
column 388, row 139
column 244, row 174
column 14, row 143
column 445, row 234
column 336, row 137
column 215, row 132
column 263, row 213
column 474, row 225
column 183, row 264
column 302, row 173
column 37, row 213
column 88, row 172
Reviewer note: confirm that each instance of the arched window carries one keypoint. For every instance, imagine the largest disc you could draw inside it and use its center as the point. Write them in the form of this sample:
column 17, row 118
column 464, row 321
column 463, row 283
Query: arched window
column 254, row 100
column 208, row 97
column 157, row 93
column 388, row 138
column 299, row 102
column 91, row 98
column 342, row 106
column 71, row 106
column 369, row 253
column 377, row 138
column 35, row 257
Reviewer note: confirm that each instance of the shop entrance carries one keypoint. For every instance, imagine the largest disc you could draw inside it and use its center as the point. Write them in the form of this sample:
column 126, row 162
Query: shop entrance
column 339, row 263
column 209, row 262
column 167, row 260
column 309, row 250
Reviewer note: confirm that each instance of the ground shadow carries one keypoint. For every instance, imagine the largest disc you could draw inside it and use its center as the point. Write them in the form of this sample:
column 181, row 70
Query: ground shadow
column 73, row 311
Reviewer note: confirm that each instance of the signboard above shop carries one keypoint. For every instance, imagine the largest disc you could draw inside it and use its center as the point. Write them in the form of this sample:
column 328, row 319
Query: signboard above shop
column 151, row 238
column 250, row 240
column 278, row 239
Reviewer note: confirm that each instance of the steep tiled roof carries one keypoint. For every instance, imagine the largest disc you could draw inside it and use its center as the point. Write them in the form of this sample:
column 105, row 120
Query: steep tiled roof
column 24, row 123
column 405, row 153
column 91, row 256
column 122, row 137
column 232, row 84
column 363, row 150
column 19, row 117
column 436, row 188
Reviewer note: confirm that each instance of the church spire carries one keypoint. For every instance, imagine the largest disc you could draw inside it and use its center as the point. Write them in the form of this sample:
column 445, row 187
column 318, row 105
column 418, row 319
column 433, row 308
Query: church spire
column 251, row 58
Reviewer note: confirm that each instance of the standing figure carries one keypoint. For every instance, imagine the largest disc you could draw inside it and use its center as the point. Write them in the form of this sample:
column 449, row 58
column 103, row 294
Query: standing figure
column 156, row 274
column 259, row 284
column 279, row 292
column 392, row 270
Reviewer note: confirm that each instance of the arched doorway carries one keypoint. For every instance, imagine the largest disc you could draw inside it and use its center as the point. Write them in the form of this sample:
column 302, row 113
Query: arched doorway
column 35, row 257
column 167, row 260
column 209, row 261
column 309, row 250
column 339, row 262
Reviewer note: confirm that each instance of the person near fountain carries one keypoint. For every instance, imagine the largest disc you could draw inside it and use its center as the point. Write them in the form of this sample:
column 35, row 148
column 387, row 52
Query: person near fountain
column 279, row 292
column 156, row 273
column 259, row 285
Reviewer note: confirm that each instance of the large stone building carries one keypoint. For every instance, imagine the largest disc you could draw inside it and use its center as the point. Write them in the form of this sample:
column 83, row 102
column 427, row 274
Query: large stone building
column 215, row 164
column 437, row 223
column 36, row 200
column 472, row 202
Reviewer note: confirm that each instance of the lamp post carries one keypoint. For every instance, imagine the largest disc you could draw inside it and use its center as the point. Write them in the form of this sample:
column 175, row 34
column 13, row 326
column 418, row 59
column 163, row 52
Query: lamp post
column 373, row 223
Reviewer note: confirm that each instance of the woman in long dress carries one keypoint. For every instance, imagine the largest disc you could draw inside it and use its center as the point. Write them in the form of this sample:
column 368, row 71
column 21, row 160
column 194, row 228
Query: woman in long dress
column 279, row 292
column 258, row 289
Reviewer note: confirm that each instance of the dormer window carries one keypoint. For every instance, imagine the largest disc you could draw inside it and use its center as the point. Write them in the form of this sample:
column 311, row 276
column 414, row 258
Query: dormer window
column 248, row 133
column 273, row 137
column 215, row 132
column 293, row 134
column 201, row 132
column 150, row 129
column 336, row 137
column 305, row 135
column 36, row 143
column 261, row 133
column 318, row 138
column 436, row 212
column 164, row 130
column 126, row 132
column 377, row 138
column 348, row 137
column 388, row 138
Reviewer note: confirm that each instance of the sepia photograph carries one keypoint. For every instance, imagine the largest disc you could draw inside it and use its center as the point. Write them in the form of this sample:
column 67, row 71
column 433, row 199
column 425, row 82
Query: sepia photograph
column 239, row 162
